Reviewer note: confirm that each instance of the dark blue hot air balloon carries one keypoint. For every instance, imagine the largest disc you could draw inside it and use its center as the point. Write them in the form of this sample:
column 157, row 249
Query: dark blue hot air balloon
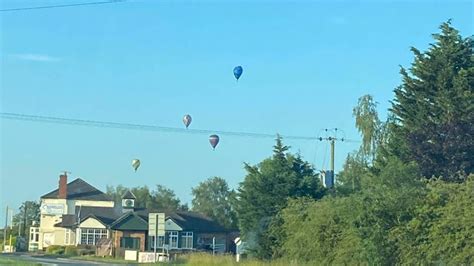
column 238, row 72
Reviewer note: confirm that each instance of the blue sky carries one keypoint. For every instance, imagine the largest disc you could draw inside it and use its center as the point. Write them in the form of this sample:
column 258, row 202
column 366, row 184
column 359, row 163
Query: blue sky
column 150, row 62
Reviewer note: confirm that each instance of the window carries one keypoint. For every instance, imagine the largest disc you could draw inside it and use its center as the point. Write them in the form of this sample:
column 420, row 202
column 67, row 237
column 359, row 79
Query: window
column 159, row 244
column 90, row 236
column 67, row 236
column 173, row 239
column 187, row 240
column 130, row 242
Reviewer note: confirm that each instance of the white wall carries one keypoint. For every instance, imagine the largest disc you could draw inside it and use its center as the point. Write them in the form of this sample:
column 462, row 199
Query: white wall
column 91, row 223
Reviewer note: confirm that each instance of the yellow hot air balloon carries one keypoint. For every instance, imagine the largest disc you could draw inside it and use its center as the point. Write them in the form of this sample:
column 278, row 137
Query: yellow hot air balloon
column 135, row 164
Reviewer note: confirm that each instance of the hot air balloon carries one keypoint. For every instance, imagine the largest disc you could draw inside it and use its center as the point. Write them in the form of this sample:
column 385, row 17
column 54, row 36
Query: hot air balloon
column 135, row 164
column 187, row 119
column 238, row 72
column 214, row 140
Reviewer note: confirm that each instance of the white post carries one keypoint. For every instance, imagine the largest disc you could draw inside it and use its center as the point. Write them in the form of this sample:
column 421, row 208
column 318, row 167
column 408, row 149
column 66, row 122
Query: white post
column 213, row 245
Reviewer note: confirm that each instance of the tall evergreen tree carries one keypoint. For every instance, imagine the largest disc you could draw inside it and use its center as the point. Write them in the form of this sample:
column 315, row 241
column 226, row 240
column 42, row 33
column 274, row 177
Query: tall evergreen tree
column 434, row 107
column 265, row 191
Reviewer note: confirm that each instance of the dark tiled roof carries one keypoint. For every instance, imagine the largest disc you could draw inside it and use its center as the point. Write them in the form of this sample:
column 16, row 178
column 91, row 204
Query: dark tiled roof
column 187, row 220
column 129, row 195
column 197, row 222
column 106, row 215
column 80, row 190
column 68, row 221
column 130, row 221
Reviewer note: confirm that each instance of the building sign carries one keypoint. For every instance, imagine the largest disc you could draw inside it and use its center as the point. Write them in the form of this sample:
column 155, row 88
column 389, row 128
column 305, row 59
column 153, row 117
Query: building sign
column 52, row 209
column 156, row 224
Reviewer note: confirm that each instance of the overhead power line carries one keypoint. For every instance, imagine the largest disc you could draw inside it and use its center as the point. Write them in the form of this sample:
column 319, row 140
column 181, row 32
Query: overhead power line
column 141, row 127
column 63, row 5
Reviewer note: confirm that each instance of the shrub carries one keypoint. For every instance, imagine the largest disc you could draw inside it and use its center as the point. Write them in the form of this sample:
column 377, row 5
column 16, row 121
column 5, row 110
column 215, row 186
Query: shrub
column 55, row 249
column 71, row 251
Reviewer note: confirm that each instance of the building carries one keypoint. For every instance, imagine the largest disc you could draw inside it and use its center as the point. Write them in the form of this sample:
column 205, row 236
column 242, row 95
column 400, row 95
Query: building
column 79, row 214
column 62, row 203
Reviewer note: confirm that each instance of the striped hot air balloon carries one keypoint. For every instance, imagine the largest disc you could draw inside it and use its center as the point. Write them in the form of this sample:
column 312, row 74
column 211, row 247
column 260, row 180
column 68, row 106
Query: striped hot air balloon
column 135, row 164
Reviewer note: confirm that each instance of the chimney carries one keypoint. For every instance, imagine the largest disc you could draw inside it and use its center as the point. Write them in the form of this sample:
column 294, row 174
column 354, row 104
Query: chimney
column 62, row 194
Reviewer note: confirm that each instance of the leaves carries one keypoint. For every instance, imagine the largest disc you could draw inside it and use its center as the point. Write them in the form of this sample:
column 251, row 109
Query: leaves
column 214, row 198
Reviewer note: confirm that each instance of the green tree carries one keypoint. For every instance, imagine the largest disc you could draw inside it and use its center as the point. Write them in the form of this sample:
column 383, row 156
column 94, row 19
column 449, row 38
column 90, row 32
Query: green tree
column 266, row 190
column 441, row 232
column 214, row 198
column 434, row 107
column 165, row 199
column 354, row 169
column 368, row 124
column 160, row 199
column 28, row 213
column 116, row 193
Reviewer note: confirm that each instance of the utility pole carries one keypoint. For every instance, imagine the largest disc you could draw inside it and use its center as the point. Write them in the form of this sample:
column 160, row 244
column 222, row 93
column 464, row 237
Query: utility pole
column 5, row 230
column 333, row 141
column 11, row 231
column 25, row 229
column 329, row 176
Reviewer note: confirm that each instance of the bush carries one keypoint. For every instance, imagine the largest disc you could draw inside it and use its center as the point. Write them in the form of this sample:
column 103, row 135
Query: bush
column 85, row 250
column 71, row 251
column 55, row 249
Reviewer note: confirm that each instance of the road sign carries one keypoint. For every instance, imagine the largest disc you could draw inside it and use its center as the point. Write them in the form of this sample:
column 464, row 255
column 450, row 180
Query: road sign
column 156, row 224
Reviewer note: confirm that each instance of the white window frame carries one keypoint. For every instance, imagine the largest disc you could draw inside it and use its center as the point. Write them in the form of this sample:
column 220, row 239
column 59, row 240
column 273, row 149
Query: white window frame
column 174, row 235
column 67, row 236
column 90, row 235
column 186, row 237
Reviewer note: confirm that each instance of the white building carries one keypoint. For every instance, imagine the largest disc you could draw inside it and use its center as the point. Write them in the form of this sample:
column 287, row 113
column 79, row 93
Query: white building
column 62, row 203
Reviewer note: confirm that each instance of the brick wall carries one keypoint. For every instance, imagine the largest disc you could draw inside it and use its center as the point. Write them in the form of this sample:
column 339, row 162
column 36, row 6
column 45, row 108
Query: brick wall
column 137, row 234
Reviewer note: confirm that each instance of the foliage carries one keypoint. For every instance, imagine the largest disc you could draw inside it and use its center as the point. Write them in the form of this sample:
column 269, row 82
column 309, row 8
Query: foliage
column 31, row 215
column 354, row 169
column 161, row 199
column 368, row 124
column 265, row 191
column 55, row 249
column 214, row 199
column 434, row 108
column 353, row 229
column 442, row 229
column 164, row 199
column 71, row 251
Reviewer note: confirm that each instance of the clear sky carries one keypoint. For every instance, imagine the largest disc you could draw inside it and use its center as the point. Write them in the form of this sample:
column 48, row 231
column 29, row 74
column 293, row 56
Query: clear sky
column 305, row 65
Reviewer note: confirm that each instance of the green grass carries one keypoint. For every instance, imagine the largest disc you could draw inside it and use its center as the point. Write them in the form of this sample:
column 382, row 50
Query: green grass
column 101, row 259
column 15, row 261
column 199, row 259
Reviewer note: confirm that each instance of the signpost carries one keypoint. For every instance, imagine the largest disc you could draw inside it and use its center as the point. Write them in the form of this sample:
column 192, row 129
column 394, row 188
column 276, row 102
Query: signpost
column 156, row 227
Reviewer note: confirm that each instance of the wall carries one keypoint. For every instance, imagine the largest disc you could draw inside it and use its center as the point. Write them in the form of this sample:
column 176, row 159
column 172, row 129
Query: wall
column 118, row 234
column 91, row 203
column 91, row 223
column 47, row 231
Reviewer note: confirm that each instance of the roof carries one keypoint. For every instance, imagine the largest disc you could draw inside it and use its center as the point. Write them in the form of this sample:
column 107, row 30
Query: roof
column 194, row 221
column 130, row 221
column 129, row 195
column 68, row 221
column 188, row 221
column 105, row 215
column 80, row 190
